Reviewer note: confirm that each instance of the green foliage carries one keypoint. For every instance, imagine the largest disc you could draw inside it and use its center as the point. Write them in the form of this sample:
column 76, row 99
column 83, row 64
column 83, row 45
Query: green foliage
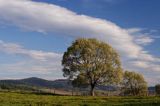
column 96, row 61
column 157, row 89
column 17, row 99
column 134, row 83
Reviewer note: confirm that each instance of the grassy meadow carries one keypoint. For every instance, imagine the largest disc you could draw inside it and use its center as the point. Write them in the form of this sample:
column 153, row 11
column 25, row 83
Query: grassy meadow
column 30, row 99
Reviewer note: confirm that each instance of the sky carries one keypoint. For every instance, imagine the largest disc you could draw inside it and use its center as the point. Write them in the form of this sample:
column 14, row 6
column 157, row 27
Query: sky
column 34, row 34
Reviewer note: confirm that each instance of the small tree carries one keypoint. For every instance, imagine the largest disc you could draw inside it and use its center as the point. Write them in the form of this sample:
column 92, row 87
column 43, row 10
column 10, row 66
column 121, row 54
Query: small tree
column 134, row 83
column 92, row 61
column 157, row 89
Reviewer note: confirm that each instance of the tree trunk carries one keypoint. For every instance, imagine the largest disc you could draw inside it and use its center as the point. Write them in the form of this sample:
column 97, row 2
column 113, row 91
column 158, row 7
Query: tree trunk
column 92, row 90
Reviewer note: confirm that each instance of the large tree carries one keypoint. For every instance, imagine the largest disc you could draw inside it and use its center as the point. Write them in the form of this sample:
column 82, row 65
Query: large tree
column 92, row 61
column 134, row 83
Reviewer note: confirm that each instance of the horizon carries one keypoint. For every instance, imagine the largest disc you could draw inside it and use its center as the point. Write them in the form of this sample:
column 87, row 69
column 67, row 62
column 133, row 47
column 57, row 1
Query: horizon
column 50, row 80
column 34, row 34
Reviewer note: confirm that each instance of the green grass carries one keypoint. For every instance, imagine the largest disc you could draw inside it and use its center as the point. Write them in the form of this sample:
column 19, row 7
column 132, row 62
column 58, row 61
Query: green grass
column 28, row 99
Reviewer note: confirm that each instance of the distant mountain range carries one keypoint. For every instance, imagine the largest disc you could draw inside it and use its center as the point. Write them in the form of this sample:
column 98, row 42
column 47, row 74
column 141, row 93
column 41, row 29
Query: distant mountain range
column 35, row 82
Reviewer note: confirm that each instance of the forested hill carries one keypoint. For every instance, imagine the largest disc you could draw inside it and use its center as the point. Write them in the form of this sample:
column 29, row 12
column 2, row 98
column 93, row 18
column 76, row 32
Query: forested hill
column 34, row 82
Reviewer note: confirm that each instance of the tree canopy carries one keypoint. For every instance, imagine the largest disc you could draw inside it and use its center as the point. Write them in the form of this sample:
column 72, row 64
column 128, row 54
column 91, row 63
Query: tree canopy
column 92, row 61
column 134, row 83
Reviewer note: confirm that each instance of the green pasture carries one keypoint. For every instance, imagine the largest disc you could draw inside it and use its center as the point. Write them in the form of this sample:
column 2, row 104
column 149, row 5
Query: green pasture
column 29, row 99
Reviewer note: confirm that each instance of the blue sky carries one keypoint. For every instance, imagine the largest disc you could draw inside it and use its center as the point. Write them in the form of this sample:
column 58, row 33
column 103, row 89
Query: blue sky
column 35, row 33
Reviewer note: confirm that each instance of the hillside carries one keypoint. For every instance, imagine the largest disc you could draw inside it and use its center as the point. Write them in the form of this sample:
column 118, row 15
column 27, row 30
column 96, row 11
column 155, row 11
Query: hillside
column 35, row 82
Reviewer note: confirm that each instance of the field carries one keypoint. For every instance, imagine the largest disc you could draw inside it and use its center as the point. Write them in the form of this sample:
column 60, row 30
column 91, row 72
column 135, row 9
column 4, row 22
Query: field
column 27, row 99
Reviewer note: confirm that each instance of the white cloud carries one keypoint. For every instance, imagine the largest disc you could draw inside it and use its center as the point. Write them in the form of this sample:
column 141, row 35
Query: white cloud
column 144, row 40
column 134, row 30
column 13, row 48
column 140, row 64
column 140, row 37
column 31, row 68
column 146, row 65
column 43, row 17
column 36, row 62
column 46, row 18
